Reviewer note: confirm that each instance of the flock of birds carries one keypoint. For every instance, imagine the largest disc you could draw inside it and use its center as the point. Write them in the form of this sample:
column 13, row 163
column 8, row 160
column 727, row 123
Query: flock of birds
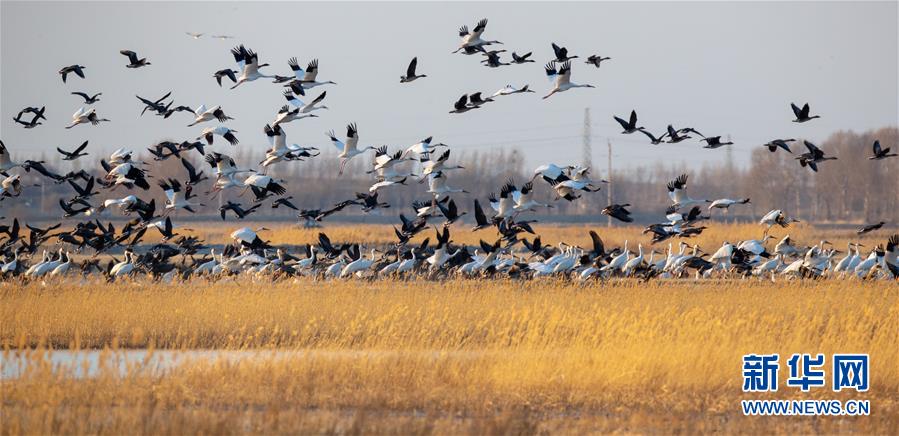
column 512, row 254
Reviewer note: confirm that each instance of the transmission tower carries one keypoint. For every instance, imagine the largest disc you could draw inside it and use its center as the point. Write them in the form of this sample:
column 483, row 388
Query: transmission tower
column 588, row 147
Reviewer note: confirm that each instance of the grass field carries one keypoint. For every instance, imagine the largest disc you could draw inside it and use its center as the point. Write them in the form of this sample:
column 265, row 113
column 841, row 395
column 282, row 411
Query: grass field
column 463, row 356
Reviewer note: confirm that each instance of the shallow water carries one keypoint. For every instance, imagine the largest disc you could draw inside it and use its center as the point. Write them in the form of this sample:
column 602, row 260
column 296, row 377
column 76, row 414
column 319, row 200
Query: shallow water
column 89, row 363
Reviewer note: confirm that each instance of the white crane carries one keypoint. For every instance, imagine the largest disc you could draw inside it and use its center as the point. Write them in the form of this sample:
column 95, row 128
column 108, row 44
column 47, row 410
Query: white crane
column 248, row 64
column 202, row 114
column 82, row 116
column 305, row 108
column 358, row 265
column 306, row 78
column 677, row 192
column 562, row 78
column 6, row 163
column 509, row 90
column 210, row 132
column 348, row 149
column 423, row 147
column 438, row 187
column 177, row 197
column 472, row 39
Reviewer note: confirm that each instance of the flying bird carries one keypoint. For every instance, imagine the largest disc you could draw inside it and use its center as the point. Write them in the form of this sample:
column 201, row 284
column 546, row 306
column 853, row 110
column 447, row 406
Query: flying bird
column 802, row 114
column 133, row 61
column 410, row 72
column 77, row 69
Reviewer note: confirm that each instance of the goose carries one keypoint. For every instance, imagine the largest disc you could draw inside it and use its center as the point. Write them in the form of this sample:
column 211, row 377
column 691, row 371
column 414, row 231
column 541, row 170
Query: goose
column 475, row 100
column 438, row 187
column 509, row 90
column 870, row 228
column 652, row 138
column 629, row 126
column 802, row 114
column 596, row 60
column 177, row 198
column 881, row 153
column 461, row 105
column 306, row 79
column 493, row 60
column 814, row 156
column 473, row 40
column 561, row 54
column 209, row 134
column 410, row 72
column 72, row 155
column 89, row 99
column 619, row 212
column 675, row 136
column 562, row 78
column 677, row 192
column 774, row 144
column 348, row 150
column 82, row 116
column 237, row 209
column 227, row 72
column 521, row 59
column 248, row 64
column 77, row 69
column 133, row 61
column 713, row 142
column 202, row 115
column 450, row 212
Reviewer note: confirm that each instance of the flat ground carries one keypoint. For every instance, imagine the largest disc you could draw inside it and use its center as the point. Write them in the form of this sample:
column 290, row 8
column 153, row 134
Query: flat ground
column 462, row 356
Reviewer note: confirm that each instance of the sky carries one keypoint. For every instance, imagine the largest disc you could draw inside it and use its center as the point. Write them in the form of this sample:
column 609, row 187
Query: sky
column 724, row 68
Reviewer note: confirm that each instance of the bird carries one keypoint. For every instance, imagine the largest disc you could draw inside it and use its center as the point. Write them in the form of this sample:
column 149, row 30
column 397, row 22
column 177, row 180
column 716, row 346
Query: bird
column 410, row 72
column 214, row 113
column 133, row 61
column 473, row 40
column 814, row 156
column 306, row 79
column 154, row 105
column 227, row 72
column 77, row 69
column 348, row 149
column 82, row 116
column 726, row 203
column 73, row 154
column 619, row 212
column 263, row 186
column 521, row 59
column 461, row 105
column 194, row 35
column 870, row 228
column 422, row 147
column 561, row 54
column 284, row 201
column 177, row 198
column 802, row 114
column 89, row 99
column 303, row 107
column 677, row 192
column 562, row 78
column 880, row 153
column 629, row 126
column 248, row 64
column 509, row 90
column 237, row 209
column 774, row 144
column 713, row 142
column 652, row 138
column 675, row 136
column 475, row 100
column 596, row 60
column 493, row 60
column 210, row 132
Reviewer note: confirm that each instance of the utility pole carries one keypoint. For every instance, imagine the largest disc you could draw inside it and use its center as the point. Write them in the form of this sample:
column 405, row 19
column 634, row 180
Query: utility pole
column 609, row 178
column 587, row 151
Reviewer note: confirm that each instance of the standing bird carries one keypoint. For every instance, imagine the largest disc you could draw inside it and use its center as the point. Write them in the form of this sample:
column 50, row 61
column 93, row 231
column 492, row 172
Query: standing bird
column 134, row 62
column 802, row 114
column 629, row 126
column 77, row 69
column 881, row 153
column 89, row 99
column 562, row 78
column 596, row 60
column 410, row 72
column 73, row 154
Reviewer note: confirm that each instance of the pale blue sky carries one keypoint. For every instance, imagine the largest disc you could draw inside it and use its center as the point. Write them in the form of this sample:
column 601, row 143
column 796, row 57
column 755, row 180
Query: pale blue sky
column 721, row 67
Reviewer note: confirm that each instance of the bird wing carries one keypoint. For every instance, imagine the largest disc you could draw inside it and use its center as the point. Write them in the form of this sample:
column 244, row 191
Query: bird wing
column 311, row 71
column 132, row 56
column 337, row 143
column 410, row 71
column 479, row 28
column 796, row 110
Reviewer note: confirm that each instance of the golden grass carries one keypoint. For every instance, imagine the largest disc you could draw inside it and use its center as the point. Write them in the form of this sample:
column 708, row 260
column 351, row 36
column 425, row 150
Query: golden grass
column 711, row 238
column 463, row 356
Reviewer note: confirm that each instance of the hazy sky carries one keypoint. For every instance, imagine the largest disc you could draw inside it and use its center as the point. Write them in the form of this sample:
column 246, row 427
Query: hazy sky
column 723, row 68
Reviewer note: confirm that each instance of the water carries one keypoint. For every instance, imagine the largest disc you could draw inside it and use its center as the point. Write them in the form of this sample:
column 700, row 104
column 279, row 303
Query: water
column 89, row 363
